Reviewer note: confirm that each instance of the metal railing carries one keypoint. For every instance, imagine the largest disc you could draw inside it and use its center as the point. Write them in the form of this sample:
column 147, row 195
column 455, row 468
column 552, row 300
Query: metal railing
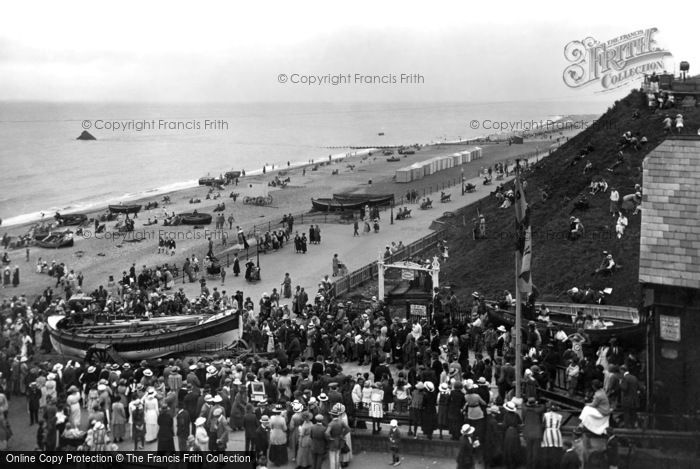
column 345, row 284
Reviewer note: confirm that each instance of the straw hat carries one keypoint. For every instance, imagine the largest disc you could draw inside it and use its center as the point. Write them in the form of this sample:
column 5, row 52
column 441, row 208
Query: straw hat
column 394, row 423
column 103, row 387
column 200, row 421
column 443, row 387
column 319, row 418
column 147, row 372
column 510, row 406
column 91, row 369
column 501, row 328
column 429, row 386
column 217, row 398
column 211, row 369
column 208, row 398
column 322, row 397
column 265, row 419
column 297, row 407
column 467, row 429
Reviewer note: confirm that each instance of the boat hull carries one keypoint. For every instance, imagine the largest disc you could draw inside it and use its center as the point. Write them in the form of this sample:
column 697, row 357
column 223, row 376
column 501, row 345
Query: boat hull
column 53, row 243
column 210, row 336
column 125, row 208
column 342, row 202
column 195, row 218
column 626, row 333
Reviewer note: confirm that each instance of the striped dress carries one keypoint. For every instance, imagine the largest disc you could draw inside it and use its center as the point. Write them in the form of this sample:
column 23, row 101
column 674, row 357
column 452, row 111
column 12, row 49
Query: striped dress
column 552, row 449
column 552, row 432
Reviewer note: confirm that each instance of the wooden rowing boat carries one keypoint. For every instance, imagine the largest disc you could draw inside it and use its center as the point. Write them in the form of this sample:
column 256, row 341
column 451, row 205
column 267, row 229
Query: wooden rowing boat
column 130, row 208
column 627, row 332
column 147, row 339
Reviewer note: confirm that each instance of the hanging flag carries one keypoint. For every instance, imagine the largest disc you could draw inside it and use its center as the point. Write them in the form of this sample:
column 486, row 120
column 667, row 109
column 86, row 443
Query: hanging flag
column 523, row 235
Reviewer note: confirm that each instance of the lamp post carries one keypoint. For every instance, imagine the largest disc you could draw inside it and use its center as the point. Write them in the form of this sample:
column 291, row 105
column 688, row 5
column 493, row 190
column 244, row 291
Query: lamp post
column 392, row 214
column 462, row 171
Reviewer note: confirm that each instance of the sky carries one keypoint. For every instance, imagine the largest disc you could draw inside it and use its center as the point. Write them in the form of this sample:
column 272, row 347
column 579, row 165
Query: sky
column 212, row 51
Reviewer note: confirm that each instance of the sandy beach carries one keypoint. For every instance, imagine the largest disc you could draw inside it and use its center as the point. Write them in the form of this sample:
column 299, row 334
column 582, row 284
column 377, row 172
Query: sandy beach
column 98, row 256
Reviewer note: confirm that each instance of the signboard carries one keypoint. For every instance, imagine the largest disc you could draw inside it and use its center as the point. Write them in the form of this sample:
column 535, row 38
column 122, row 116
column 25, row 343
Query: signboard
column 258, row 392
column 407, row 274
column 418, row 310
column 670, row 328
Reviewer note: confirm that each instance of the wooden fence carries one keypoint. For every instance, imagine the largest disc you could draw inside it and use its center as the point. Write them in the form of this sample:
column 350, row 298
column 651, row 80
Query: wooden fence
column 354, row 279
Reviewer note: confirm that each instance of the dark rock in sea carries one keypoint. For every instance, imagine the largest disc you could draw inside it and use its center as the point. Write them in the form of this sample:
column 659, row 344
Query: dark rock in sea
column 86, row 136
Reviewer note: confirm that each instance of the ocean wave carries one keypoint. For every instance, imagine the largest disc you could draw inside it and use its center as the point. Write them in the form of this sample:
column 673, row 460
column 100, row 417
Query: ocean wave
column 97, row 203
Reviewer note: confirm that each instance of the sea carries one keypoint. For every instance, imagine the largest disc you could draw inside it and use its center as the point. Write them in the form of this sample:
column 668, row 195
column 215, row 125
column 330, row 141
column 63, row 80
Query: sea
column 148, row 149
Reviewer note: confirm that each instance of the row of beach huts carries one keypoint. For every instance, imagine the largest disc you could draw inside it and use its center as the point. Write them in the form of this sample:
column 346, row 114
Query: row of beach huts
column 439, row 163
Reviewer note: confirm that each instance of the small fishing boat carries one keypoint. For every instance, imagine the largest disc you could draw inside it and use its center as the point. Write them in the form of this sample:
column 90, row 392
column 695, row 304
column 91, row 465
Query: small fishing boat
column 195, row 218
column 130, row 208
column 333, row 205
column 56, row 240
column 343, row 202
column 381, row 134
column 72, row 219
column 212, row 181
column 136, row 340
column 393, row 159
column 371, row 199
column 627, row 331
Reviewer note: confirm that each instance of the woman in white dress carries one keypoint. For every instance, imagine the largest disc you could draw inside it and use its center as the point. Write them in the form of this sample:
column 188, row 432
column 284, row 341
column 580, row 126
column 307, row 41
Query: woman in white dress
column 150, row 409
column 595, row 416
column 376, row 407
column 73, row 403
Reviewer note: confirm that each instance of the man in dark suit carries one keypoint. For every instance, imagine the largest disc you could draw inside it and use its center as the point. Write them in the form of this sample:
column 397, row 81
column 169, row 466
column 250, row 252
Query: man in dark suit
column 319, row 442
column 629, row 397
column 334, row 396
column 190, row 403
column 381, row 371
column 532, row 431
column 183, row 421
column 262, row 436
column 506, row 380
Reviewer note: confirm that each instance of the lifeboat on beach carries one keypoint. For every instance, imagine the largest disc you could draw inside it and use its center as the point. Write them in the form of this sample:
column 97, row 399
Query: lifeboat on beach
column 135, row 340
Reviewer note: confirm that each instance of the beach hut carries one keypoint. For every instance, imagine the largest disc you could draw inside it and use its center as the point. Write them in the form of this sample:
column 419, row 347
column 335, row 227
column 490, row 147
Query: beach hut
column 404, row 175
column 417, row 171
column 456, row 159
column 516, row 139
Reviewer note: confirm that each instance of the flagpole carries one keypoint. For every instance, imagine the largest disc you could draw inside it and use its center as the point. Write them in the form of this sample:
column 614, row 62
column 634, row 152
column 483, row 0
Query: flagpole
column 518, row 311
column 518, row 329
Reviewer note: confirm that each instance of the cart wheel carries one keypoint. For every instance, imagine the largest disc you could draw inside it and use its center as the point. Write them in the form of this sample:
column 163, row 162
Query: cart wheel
column 96, row 356
column 260, row 201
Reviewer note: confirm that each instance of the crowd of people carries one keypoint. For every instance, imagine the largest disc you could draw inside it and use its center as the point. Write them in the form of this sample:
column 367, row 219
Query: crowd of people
column 298, row 400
